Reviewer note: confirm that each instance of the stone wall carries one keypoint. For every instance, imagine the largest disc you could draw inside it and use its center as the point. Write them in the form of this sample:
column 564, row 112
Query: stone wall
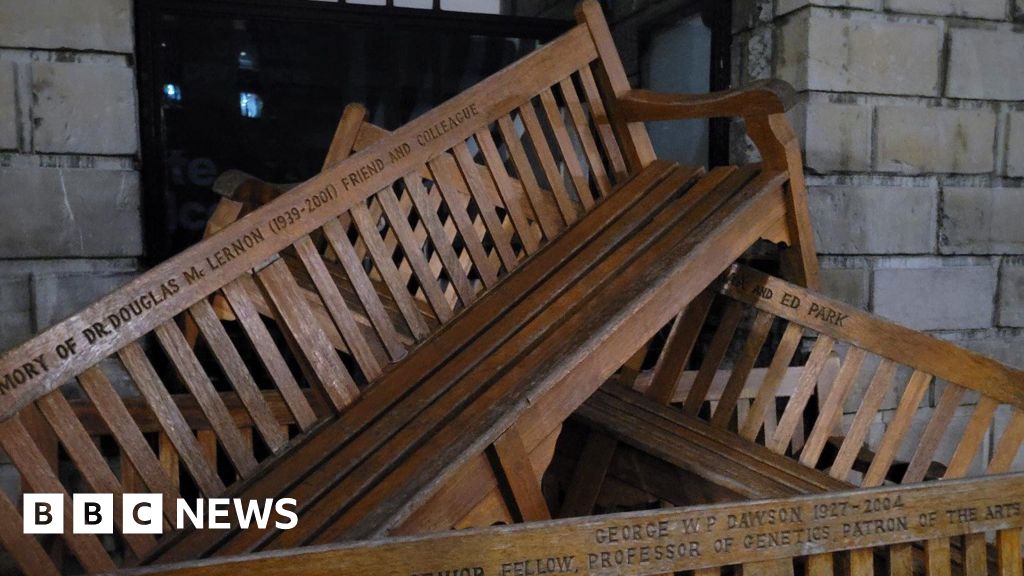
column 70, row 218
column 912, row 117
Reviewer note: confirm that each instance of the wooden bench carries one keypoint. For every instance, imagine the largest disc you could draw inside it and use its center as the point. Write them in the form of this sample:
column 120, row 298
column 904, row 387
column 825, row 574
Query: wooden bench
column 428, row 310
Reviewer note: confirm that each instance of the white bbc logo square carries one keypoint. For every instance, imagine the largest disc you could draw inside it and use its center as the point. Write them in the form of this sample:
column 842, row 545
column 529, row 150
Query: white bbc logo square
column 142, row 513
column 43, row 514
column 93, row 514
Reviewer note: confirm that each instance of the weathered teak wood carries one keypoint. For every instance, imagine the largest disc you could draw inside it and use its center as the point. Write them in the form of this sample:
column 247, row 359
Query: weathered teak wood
column 427, row 311
column 599, row 544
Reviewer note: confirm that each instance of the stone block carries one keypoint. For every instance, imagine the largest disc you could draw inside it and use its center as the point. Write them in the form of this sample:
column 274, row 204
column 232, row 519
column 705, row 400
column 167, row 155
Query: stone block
column 837, row 137
column 991, row 9
column 1015, row 144
column 938, row 298
column 58, row 296
column 986, row 64
column 827, row 52
column 982, row 220
column 1006, row 346
column 874, row 220
column 786, row 6
column 84, row 109
column 15, row 311
column 1010, row 311
column 103, row 25
column 67, row 212
column 8, row 107
column 849, row 285
column 914, row 140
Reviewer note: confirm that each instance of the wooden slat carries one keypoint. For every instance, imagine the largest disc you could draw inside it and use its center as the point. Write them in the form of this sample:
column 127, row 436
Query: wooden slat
column 447, row 176
column 764, row 402
column 364, row 288
column 510, row 197
column 322, row 360
column 901, row 560
column 588, row 475
column 268, row 353
column 191, row 373
column 122, row 426
column 914, row 392
column 173, row 423
column 513, row 463
column 413, row 251
column 586, row 138
column 551, row 223
column 565, row 146
column 676, row 353
column 820, row 565
column 1006, row 449
column 832, row 408
column 90, row 463
column 439, row 239
column 713, row 357
column 971, row 438
column 37, row 474
column 569, row 210
column 385, row 266
column 238, row 374
column 975, row 554
column 793, row 413
column 880, row 385
column 938, row 561
column 471, row 175
column 1008, row 554
column 602, row 123
column 342, row 315
column 937, row 427
column 741, row 368
column 23, row 548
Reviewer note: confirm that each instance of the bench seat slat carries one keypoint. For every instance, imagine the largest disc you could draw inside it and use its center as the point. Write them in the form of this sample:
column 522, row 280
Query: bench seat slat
column 555, row 267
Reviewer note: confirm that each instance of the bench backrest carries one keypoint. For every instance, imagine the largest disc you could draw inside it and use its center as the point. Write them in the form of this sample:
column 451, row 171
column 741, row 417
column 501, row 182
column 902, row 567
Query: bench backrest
column 456, row 199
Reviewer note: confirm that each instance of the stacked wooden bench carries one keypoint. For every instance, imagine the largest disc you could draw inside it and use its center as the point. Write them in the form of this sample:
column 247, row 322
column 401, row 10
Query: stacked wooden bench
column 397, row 342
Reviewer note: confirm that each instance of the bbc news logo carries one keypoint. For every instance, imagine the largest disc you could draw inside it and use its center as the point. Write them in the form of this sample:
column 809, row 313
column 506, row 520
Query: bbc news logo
column 93, row 513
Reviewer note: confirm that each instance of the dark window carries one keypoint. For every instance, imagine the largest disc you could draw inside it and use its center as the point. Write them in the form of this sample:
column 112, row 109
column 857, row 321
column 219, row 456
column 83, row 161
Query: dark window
column 259, row 86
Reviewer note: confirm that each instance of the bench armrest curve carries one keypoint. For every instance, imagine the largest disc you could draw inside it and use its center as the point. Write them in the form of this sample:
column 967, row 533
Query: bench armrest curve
column 760, row 98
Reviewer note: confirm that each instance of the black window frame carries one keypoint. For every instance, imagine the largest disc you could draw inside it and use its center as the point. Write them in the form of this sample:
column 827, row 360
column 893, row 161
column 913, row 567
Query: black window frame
column 388, row 18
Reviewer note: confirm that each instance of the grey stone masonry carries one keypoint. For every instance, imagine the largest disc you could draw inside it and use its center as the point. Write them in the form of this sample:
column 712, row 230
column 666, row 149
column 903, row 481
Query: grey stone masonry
column 943, row 297
column 101, row 25
column 824, row 50
column 916, row 140
column 991, row 9
column 837, row 137
column 68, row 212
column 8, row 107
column 1015, row 144
column 874, row 219
column 1011, row 294
column 982, row 221
column 986, row 64
column 84, row 108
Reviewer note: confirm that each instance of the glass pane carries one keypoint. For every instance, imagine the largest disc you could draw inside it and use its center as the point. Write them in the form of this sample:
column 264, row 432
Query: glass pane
column 678, row 60
column 264, row 95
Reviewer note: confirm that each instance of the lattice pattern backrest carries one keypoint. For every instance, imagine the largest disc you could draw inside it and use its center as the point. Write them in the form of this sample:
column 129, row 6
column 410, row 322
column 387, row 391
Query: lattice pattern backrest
column 367, row 259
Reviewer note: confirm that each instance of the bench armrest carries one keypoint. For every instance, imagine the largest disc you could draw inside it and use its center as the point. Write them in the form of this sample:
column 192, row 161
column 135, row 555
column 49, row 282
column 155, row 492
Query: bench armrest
column 758, row 99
